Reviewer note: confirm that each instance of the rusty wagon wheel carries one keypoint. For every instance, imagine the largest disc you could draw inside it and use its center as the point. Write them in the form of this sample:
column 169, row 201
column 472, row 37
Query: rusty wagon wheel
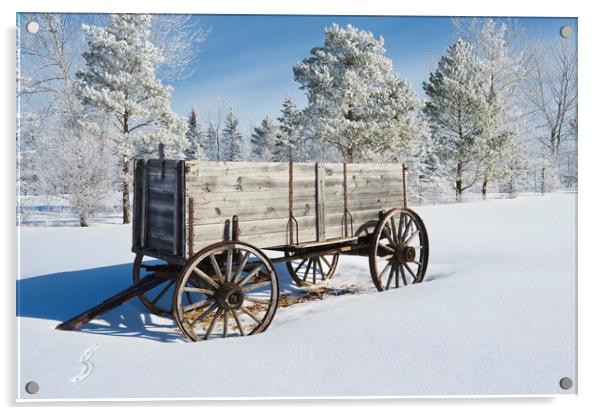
column 399, row 250
column 157, row 300
column 227, row 289
column 311, row 270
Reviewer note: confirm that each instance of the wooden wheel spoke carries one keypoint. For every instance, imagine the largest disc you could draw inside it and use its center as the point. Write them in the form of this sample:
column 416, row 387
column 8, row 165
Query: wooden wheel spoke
column 198, row 290
column 257, row 300
column 402, row 219
column 250, row 314
column 300, row 265
column 321, row 269
column 162, row 292
column 216, row 268
column 394, row 230
column 225, row 328
column 387, row 247
column 250, row 275
column 327, row 263
column 203, row 315
column 410, row 271
column 403, row 277
column 380, row 276
column 314, row 272
column 212, row 325
column 387, row 233
column 407, row 228
column 307, row 270
column 196, row 305
column 252, row 287
column 396, row 277
column 412, row 236
column 205, row 277
column 242, row 266
column 240, row 328
column 229, row 264
column 390, row 277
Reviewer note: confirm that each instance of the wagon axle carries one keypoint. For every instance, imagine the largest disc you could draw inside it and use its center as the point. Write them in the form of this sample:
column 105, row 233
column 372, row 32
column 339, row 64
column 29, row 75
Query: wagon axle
column 230, row 296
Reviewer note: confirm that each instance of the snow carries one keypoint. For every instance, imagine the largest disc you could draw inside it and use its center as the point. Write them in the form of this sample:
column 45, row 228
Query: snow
column 495, row 315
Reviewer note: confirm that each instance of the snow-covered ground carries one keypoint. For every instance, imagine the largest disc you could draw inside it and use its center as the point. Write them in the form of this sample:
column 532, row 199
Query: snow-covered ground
column 495, row 315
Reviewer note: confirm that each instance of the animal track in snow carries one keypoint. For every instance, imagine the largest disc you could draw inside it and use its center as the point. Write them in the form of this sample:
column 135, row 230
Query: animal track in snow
column 88, row 366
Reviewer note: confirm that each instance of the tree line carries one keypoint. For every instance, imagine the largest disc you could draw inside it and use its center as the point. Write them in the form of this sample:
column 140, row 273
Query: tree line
column 498, row 110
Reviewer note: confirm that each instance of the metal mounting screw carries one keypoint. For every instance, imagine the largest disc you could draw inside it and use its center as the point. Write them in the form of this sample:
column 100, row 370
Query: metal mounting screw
column 566, row 383
column 565, row 31
column 32, row 388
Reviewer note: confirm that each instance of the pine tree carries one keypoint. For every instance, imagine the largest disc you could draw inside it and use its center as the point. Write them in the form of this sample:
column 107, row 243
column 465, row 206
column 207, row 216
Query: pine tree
column 426, row 168
column 458, row 114
column 232, row 138
column 355, row 102
column 263, row 140
column 119, row 79
column 194, row 135
column 210, row 143
column 289, row 141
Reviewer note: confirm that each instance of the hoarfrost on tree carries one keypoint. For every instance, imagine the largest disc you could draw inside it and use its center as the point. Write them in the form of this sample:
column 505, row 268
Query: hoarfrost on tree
column 355, row 102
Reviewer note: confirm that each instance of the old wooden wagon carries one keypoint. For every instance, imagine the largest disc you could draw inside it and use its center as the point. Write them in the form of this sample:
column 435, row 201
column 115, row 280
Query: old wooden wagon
column 201, row 230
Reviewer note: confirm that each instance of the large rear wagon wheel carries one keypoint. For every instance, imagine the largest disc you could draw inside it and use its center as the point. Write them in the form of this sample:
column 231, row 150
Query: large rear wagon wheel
column 399, row 251
column 312, row 270
column 227, row 289
column 157, row 300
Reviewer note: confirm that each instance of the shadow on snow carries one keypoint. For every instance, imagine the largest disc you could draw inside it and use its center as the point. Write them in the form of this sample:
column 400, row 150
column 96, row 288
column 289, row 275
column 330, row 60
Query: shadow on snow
column 63, row 295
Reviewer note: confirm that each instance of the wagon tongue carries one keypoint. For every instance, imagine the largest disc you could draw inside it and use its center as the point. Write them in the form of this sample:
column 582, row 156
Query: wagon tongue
column 145, row 284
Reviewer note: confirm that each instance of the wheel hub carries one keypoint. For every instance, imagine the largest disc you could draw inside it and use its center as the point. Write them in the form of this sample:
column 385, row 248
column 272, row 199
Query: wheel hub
column 230, row 296
column 405, row 254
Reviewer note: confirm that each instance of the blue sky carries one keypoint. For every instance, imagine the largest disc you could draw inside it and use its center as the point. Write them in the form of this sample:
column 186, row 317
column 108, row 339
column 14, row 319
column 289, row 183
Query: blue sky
column 246, row 61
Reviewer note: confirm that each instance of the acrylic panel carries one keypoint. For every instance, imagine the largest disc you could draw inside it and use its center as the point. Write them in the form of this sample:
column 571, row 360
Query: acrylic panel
column 218, row 206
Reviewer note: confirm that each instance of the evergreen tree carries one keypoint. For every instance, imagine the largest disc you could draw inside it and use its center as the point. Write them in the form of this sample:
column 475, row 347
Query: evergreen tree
column 232, row 138
column 426, row 168
column 194, row 135
column 263, row 140
column 458, row 114
column 289, row 145
column 119, row 79
column 210, row 145
column 355, row 102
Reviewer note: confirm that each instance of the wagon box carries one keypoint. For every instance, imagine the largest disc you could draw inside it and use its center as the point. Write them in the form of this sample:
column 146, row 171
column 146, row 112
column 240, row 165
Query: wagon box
column 210, row 223
column 182, row 206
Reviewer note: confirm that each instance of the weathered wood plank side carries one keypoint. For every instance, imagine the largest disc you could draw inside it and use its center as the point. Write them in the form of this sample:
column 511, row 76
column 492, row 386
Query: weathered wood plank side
column 333, row 200
column 258, row 194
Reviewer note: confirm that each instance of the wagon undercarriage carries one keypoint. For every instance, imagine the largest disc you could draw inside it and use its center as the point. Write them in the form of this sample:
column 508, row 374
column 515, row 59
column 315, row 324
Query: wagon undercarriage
column 230, row 287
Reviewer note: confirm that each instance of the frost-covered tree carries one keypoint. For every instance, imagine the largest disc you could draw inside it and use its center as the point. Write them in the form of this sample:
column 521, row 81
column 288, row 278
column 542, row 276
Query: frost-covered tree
column 211, row 142
column 458, row 114
column 425, row 167
column 355, row 102
column 63, row 156
column 77, row 165
column 194, row 135
column 291, row 144
column 119, row 79
column 501, row 73
column 263, row 140
column 232, row 138
column 551, row 90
